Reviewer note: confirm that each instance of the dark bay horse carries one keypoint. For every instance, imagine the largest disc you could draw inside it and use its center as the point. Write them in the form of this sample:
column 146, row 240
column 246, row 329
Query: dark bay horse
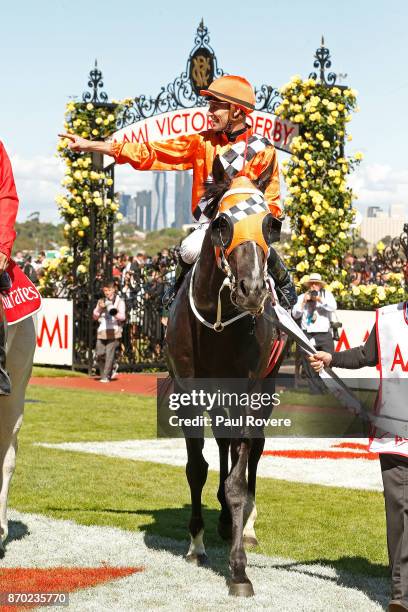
column 239, row 235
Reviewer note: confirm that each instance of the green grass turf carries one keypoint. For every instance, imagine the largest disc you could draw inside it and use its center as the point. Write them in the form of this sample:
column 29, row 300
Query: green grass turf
column 44, row 371
column 340, row 527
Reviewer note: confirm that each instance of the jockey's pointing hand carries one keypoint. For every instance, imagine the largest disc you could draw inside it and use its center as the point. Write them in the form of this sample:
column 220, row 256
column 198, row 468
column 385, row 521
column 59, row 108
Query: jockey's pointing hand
column 320, row 360
column 77, row 143
column 82, row 145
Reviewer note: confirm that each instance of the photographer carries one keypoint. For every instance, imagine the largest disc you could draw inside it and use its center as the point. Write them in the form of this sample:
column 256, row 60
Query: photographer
column 314, row 309
column 110, row 311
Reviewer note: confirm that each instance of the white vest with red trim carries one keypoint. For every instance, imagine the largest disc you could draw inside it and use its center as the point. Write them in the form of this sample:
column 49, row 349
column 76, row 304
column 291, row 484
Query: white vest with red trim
column 392, row 405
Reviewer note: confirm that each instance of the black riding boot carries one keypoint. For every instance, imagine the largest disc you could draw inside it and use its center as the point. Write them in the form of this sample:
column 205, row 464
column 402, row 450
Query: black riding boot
column 181, row 271
column 5, row 385
column 283, row 283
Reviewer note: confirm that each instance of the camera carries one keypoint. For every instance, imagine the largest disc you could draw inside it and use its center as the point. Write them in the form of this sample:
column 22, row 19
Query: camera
column 313, row 294
column 111, row 308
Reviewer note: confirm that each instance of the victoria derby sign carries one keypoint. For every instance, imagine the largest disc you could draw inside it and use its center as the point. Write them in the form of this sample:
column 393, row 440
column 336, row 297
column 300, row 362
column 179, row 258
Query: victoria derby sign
column 193, row 120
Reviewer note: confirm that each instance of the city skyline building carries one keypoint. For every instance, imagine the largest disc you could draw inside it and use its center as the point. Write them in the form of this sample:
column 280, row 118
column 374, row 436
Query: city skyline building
column 159, row 201
column 182, row 199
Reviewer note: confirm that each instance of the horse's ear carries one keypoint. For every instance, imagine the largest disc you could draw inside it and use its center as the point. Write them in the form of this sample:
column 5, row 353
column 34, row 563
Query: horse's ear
column 264, row 178
column 218, row 171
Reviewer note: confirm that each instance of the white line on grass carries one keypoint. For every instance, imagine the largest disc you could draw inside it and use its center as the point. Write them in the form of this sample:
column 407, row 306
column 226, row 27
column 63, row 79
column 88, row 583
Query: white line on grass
column 348, row 473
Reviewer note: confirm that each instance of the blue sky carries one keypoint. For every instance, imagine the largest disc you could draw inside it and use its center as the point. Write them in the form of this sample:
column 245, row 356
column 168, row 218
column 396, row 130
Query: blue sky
column 47, row 49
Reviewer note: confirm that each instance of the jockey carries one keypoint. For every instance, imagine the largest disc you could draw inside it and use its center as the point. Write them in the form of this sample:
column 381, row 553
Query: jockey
column 231, row 100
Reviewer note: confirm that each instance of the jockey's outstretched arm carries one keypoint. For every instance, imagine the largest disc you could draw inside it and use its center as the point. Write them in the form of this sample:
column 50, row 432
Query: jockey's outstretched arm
column 82, row 145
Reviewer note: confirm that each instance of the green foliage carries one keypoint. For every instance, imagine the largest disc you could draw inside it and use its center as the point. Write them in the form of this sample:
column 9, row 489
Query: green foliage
column 88, row 192
column 35, row 236
column 319, row 203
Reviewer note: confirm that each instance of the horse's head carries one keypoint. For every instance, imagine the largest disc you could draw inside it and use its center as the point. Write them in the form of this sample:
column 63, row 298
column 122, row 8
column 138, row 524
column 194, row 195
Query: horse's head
column 242, row 231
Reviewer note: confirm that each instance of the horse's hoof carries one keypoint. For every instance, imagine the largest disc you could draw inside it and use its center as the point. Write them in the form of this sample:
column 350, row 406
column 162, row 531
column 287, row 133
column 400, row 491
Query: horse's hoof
column 241, row 589
column 225, row 531
column 200, row 560
column 250, row 542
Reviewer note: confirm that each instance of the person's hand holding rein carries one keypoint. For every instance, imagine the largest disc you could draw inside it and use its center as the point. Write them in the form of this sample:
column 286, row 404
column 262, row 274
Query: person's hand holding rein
column 320, row 360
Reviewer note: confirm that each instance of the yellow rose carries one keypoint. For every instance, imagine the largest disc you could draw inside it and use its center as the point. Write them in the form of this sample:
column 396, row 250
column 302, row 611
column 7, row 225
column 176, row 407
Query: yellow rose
column 358, row 156
column 89, row 106
column 326, row 144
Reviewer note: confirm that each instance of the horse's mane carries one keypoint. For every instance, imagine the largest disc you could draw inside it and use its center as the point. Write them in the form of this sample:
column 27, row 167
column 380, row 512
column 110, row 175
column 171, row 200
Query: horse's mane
column 214, row 192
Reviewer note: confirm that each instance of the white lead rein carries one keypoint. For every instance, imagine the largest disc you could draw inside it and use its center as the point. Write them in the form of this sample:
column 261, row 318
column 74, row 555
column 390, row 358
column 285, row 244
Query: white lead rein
column 219, row 325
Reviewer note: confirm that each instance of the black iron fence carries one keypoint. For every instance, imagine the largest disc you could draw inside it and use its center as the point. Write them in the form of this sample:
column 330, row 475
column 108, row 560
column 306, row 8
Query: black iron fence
column 143, row 331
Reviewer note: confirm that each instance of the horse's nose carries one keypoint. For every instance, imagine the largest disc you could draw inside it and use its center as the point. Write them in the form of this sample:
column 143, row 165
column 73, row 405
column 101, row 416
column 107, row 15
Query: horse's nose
column 251, row 287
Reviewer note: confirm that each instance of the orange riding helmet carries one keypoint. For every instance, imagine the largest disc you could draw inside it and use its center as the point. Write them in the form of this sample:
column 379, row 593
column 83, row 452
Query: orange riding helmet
column 233, row 89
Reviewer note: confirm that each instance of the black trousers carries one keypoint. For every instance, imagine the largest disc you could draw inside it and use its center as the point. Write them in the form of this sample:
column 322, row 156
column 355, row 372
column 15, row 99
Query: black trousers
column 323, row 342
column 394, row 470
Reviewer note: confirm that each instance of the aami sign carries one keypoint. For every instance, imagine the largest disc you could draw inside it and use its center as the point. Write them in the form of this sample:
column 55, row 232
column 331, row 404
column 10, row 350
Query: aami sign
column 54, row 333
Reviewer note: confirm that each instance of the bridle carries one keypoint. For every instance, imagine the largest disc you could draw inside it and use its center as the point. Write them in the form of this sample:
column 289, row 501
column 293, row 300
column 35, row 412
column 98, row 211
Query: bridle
column 230, row 281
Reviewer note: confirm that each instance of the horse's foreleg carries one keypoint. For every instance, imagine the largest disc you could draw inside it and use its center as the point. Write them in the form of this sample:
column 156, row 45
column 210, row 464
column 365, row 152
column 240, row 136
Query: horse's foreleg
column 250, row 512
column 196, row 471
column 236, row 492
column 224, row 521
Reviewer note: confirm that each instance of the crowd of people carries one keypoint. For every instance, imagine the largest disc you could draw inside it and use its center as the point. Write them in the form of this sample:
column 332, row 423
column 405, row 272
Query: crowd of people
column 370, row 269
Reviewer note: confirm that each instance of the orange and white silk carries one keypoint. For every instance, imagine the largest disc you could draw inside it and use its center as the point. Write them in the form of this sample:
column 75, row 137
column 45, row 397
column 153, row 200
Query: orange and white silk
column 197, row 152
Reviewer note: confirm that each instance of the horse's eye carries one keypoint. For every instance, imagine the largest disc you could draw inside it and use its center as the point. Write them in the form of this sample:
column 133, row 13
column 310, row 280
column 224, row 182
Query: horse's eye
column 221, row 231
column 271, row 229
